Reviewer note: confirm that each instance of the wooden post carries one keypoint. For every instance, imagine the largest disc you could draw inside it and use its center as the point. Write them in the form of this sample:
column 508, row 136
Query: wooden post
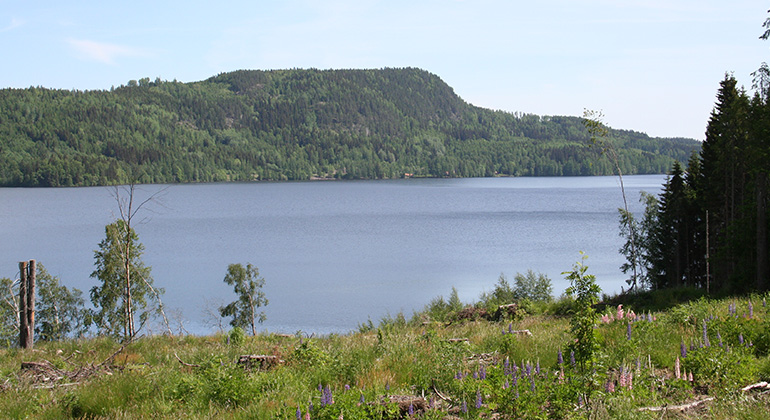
column 31, row 275
column 23, row 304
column 27, row 304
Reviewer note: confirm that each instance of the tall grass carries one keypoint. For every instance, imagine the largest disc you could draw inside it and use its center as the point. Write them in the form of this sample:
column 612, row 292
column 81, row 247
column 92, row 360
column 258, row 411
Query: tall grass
column 365, row 374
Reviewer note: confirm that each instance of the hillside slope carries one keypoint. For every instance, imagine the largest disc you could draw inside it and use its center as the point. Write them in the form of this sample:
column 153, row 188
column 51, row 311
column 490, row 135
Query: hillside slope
column 293, row 124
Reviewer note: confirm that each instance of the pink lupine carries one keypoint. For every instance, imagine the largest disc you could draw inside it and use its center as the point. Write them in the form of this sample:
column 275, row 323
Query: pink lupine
column 620, row 312
column 676, row 368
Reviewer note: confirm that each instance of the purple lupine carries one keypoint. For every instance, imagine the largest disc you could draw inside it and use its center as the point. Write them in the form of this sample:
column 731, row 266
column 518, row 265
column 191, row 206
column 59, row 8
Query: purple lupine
column 559, row 358
column 628, row 331
column 537, row 367
column 362, row 400
column 682, row 349
column 464, row 407
column 572, row 358
column 347, row 387
column 299, row 414
column 529, row 369
column 506, row 385
column 478, row 399
column 411, row 409
column 532, row 383
column 705, row 335
column 482, row 372
column 740, row 338
column 510, row 328
column 751, row 310
column 719, row 336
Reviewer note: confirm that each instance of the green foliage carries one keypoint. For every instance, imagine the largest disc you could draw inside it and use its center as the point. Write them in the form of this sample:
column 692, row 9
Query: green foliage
column 247, row 284
column 59, row 311
column 9, row 312
column 585, row 291
column 721, row 367
column 532, row 286
column 293, row 124
column 236, row 337
column 126, row 288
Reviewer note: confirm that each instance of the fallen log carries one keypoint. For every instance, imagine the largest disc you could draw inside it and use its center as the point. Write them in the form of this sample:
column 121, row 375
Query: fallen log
column 758, row 385
column 679, row 408
column 260, row 361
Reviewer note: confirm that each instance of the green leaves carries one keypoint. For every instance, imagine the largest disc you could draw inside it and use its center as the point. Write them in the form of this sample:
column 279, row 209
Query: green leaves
column 585, row 291
column 247, row 284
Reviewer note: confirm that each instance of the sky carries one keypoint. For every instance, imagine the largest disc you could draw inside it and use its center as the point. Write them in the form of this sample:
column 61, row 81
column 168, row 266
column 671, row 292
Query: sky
column 650, row 66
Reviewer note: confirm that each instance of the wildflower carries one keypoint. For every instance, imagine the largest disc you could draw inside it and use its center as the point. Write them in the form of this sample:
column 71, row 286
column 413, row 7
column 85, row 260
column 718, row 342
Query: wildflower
column 482, row 373
column 622, row 380
column 572, row 358
column 559, row 358
column 609, row 386
column 347, row 387
column 620, row 312
column 307, row 416
column 431, row 402
column 532, row 383
column 529, row 369
column 677, row 372
column 478, row 398
column 510, row 328
column 751, row 310
column 682, row 349
column 630, row 380
column 464, row 407
column 740, row 338
column 362, row 400
column 705, row 336
column 690, row 377
column 299, row 414
column 411, row 409
column 506, row 385
column 628, row 332
column 537, row 368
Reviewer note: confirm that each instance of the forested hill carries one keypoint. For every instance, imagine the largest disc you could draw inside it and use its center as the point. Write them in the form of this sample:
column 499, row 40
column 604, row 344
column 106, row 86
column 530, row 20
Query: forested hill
column 294, row 124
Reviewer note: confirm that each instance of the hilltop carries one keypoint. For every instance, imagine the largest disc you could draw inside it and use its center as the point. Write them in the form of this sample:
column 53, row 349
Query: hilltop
column 294, row 125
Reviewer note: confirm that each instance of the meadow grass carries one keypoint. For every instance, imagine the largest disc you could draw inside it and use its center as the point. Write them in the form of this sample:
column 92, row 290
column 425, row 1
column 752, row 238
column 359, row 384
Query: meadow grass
column 410, row 368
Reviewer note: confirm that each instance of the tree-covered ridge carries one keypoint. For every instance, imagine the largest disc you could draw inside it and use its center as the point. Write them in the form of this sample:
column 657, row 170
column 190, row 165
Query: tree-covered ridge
column 293, row 124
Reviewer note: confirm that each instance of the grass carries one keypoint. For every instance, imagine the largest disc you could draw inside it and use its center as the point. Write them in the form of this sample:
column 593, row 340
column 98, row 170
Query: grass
column 382, row 371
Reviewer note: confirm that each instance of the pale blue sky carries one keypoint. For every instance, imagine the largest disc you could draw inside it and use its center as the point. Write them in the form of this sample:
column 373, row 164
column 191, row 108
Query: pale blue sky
column 651, row 66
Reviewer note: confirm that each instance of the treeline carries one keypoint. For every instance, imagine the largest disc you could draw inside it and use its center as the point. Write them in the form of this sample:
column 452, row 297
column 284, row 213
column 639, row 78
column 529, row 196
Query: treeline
column 708, row 228
column 293, row 125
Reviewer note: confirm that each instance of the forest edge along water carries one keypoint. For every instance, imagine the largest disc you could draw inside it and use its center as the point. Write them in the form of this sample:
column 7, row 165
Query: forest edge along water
column 333, row 254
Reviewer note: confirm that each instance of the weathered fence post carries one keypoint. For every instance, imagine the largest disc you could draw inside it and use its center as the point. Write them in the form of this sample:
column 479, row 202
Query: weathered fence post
column 27, row 274
column 31, row 275
column 23, row 304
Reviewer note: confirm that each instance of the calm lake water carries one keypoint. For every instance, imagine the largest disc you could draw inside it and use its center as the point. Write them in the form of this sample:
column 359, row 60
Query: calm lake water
column 334, row 254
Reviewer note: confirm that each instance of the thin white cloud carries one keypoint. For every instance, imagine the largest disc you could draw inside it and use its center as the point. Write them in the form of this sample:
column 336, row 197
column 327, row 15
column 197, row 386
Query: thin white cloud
column 15, row 23
column 104, row 52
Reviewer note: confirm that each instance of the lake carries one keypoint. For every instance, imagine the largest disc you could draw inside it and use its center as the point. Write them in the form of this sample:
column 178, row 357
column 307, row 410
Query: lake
column 334, row 254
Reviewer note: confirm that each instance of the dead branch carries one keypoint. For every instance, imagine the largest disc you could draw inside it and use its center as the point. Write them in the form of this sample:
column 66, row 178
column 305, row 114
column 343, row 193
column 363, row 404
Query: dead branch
column 186, row 364
column 679, row 408
column 758, row 385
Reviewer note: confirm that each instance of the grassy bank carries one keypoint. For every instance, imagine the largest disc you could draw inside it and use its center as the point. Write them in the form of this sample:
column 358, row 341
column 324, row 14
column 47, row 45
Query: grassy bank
column 463, row 366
